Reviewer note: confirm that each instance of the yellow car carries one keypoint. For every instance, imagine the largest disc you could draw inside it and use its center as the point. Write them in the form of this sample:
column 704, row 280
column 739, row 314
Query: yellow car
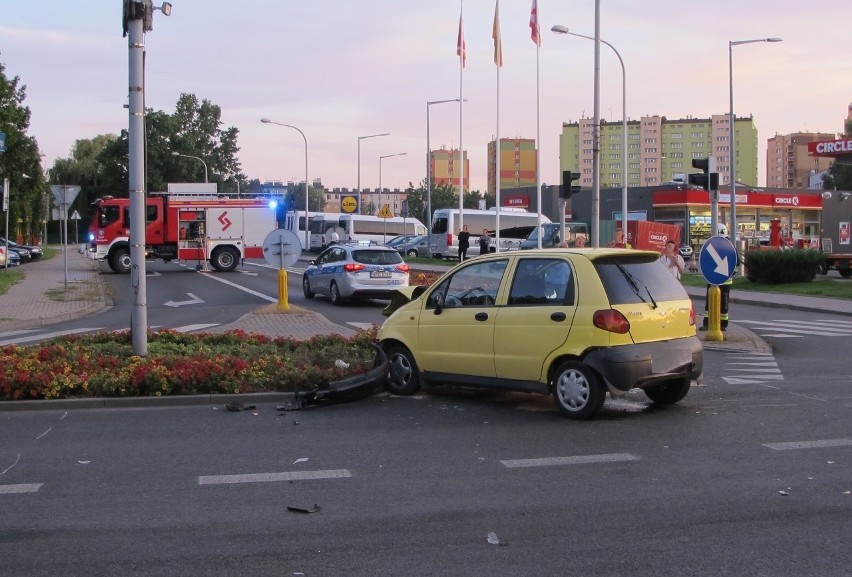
column 574, row 323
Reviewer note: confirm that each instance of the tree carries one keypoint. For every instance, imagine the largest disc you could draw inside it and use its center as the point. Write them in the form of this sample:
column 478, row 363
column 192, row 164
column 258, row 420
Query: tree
column 443, row 196
column 21, row 164
column 101, row 165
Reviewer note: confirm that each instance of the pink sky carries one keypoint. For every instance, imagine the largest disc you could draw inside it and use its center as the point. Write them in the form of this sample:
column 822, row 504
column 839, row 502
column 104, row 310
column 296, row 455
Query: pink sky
column 339, row 70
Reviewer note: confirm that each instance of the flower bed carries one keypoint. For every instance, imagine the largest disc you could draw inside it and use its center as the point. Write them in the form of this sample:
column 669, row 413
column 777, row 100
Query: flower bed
column 103, row 365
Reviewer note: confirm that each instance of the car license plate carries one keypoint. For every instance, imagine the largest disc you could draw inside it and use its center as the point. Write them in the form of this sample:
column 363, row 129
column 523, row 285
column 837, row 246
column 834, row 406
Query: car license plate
column 380, row 274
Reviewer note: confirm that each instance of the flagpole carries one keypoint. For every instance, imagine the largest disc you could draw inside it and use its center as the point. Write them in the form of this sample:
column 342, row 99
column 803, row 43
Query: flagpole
column 461, row 117
column 498, row 61
column 538, row 123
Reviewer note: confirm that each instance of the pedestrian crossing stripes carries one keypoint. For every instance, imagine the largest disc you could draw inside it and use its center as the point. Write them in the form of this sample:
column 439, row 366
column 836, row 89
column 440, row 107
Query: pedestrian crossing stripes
column 32, row 336
column 786, row 328
column 751, row 368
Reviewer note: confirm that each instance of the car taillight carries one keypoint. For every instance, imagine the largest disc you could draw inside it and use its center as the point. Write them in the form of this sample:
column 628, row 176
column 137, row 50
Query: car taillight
column 611, row 320
column 692, row 316
column 353, row 267
column 403, row 267
column 449, row 239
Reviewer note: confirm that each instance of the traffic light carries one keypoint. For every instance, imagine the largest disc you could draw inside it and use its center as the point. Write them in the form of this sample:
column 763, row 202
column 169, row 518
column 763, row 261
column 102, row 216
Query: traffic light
column 705, row 179
column 567, row 189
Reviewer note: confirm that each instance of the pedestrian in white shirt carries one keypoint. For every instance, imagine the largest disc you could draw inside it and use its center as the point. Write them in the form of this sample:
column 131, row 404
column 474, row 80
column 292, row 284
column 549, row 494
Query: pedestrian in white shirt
column 672, row 259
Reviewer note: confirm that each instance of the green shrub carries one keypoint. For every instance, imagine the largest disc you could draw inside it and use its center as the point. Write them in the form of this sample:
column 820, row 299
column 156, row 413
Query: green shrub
column 782, row 266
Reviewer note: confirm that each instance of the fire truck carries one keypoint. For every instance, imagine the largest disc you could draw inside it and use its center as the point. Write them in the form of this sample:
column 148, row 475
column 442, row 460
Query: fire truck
column 187, row 226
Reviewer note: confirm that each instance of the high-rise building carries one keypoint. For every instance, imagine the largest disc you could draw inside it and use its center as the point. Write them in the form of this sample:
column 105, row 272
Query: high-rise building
column 788, row 164
column 659, row 150
column 446, row 169
column 517, row 164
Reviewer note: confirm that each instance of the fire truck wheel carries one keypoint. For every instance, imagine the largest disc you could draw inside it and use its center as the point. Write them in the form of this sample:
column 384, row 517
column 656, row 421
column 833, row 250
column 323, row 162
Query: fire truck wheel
column 225, row 259
column 119, row 260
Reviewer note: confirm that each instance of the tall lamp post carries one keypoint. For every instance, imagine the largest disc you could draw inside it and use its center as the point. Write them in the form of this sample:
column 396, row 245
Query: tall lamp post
column 307, row 198
column 381, row 158
column 733, row 132
column 196, row 158
column 360, row 138
column 429, row 173
column 559, row 29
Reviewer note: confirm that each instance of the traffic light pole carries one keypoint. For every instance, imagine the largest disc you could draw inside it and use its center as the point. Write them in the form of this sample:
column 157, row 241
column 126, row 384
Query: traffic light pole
column 713, row 191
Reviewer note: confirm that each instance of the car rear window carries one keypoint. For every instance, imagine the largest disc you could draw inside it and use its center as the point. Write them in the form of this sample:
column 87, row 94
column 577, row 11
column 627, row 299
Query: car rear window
column 376, row 256
column 630, row 280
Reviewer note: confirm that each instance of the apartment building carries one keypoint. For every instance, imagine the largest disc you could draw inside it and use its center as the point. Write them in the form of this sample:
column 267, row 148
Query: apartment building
column 788, row 164
column 659, row 150
column 518, row 158
column 446, row 168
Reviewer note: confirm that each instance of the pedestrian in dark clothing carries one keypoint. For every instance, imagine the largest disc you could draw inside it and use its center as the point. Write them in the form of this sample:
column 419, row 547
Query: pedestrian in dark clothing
column 484, row 241
column 464, row 243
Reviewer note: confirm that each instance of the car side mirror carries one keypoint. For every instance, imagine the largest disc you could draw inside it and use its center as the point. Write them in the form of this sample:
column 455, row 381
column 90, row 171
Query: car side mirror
column 439, row 303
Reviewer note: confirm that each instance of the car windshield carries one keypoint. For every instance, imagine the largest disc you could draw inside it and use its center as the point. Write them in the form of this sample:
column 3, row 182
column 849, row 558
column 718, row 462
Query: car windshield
column 376, row 256
column 629, row 280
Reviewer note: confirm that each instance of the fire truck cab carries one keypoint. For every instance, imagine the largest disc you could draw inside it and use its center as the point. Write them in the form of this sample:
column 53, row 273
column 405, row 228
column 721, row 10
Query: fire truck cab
column 200, row 227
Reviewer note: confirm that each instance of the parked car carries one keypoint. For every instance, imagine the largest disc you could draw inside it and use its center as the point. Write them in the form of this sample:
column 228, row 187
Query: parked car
column 399, row 240
column 350, row 271
column 34, row 251
column 13, row 258
column 686, row 252
column 417, row 246
column 574, row 323
column 22, row 253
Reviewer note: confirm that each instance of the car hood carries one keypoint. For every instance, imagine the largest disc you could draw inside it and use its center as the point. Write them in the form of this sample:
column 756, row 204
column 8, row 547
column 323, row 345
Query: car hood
column 402, row 296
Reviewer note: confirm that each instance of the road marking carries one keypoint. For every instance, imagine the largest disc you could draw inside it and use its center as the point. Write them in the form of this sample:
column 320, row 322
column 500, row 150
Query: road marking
column 22, row 488
column 809, row 444
column 198, row 327
column 242, row 288
column 362, row 326
column 576, row 460
column 193, row 300
column 44, row 336
column 274, row 477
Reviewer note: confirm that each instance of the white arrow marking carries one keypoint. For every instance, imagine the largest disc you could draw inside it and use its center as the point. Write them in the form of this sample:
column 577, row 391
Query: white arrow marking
column 721, row 263
column 247, row 272
column 195, row 300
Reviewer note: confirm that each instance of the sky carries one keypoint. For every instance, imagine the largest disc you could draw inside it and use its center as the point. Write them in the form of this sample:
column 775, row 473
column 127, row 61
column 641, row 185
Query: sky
column 339, row 69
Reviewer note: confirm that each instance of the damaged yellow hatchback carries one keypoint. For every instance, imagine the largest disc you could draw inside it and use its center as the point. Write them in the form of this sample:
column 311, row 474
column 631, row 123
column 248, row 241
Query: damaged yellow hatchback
column 574, row 323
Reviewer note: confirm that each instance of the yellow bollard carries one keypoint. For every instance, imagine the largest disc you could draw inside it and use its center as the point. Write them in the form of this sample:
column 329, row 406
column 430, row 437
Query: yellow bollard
column 714, row 314
column 283, row 305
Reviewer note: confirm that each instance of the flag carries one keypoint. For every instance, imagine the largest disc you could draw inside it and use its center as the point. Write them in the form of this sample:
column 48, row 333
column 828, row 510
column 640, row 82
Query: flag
column 461, row 50
column 535, row 31
column 495, row 34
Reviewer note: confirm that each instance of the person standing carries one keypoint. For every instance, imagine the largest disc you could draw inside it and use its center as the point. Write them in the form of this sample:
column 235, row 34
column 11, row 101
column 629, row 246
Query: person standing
column 580, row 241
column 464, row 243
column 672, row 259
column 484, row 241
column 335, row 238
column 618, row 241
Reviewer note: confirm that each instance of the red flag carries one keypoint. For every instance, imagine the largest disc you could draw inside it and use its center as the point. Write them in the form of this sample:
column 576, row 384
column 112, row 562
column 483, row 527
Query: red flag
column 535, row 31
column 461, row 50
column 495, row 34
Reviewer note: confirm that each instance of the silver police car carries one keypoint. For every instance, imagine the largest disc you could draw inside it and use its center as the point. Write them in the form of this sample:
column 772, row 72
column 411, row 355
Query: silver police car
column 352, row 271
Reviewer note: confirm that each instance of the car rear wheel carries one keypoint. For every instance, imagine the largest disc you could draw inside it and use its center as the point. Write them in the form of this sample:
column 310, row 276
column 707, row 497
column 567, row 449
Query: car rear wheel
column 306, row 287
column 334, row 294
column 412, row 252
column 404, row 376
column 577, row 390
column 669, row 393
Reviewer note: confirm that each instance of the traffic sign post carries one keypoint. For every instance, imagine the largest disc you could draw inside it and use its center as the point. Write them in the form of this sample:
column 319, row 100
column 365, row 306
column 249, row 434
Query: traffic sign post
column 717, row 262
column 282, row 248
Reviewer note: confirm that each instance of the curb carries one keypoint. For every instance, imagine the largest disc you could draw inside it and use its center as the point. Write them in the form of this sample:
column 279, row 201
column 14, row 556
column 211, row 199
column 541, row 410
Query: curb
column 142, row 402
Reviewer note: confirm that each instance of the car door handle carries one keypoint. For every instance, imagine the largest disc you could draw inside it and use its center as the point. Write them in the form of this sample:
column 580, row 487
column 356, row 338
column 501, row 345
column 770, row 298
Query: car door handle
column 558, row 317
column 481, row 316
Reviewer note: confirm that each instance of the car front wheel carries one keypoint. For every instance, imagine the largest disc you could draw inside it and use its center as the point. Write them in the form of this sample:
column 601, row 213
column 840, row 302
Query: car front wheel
column 577, row 390
column 669, row 393
column 306, row 287
column 404, row 376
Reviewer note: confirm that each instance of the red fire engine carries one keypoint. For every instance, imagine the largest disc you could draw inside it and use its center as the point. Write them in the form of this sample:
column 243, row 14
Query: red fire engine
column 200, row 227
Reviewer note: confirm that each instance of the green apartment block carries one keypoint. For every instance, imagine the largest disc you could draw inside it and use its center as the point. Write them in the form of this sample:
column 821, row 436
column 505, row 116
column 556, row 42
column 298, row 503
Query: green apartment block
column 659, row 150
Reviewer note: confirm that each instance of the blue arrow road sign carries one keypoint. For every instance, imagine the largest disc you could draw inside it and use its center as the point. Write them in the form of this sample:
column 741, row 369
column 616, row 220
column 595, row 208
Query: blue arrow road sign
column 717, row 260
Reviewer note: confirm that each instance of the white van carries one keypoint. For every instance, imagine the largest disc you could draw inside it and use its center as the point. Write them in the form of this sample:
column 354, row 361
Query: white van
column 362, row 228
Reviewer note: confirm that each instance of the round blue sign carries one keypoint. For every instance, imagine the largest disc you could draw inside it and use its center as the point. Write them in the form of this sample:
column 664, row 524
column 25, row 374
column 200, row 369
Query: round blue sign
column 717, row 260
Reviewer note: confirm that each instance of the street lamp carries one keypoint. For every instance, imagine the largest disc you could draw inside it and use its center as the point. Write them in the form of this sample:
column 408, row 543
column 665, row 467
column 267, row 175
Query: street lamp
column 307, row 199
column 360, row 138
column 559, row 29
column 733, row 133
column 196, row 158
column 381, row 158
column 429, row 172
